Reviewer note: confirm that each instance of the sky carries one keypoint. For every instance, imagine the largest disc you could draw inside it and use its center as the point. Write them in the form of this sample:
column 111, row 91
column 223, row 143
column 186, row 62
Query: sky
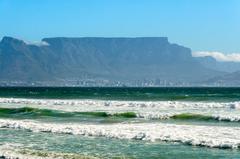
column 202, row 25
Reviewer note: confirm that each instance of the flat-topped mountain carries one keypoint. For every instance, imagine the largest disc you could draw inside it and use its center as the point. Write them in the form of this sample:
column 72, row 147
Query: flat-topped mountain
column 119, row 59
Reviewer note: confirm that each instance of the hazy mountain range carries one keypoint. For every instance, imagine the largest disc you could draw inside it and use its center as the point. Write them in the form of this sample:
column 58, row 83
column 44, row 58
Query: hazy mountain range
column 230, row 79
column 124, row 60
column 212, row 63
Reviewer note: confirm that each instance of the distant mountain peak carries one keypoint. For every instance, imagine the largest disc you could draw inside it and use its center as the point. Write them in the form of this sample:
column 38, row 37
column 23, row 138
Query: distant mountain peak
column 10, row 40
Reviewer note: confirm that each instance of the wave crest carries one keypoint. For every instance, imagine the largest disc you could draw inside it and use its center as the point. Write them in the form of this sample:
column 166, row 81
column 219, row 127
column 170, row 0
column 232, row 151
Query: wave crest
column 209, row 136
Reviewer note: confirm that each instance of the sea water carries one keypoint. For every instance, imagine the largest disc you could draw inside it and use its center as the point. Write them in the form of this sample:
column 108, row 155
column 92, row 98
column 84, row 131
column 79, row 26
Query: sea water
column 119, row 122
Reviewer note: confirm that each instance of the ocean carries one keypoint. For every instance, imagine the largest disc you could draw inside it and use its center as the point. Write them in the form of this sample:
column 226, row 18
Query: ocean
column 119, row 123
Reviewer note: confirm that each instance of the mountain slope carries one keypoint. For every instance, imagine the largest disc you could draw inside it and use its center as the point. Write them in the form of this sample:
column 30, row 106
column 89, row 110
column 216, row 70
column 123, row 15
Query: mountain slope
column 230, row 79
column 210, row 62
column 124, row 59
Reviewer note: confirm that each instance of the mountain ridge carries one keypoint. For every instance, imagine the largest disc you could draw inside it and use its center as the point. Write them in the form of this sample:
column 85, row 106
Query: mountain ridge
column 225, row 66
column 116, row 59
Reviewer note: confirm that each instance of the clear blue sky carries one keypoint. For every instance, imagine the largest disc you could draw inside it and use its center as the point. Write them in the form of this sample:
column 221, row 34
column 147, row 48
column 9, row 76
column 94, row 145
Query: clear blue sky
column 209, row 25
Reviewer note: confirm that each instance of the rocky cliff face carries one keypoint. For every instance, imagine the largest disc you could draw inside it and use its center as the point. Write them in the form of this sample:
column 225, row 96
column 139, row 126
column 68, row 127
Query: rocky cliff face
column 105, row 58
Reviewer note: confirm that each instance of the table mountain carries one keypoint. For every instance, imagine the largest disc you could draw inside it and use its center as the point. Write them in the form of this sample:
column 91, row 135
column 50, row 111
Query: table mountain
column 122, row 59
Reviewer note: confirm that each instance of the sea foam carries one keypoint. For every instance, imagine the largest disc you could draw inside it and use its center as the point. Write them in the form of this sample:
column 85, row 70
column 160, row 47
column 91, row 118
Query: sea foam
column 129, row 104
column 209, row 136
column 228, row 111
column 15, row 151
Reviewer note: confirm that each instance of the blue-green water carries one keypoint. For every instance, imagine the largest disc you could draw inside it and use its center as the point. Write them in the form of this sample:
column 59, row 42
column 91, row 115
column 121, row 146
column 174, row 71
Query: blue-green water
column 136, row 123
column 110, row 148
column 146, row 94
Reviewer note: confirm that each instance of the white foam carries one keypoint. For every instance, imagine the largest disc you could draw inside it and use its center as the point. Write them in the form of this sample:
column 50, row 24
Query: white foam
column 15, row 151
column 144, row 109
column 210, row 136
column 9, row 151
column 121, row 104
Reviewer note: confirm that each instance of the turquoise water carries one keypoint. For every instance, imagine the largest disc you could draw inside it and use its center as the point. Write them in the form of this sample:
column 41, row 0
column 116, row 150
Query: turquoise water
column 137, row 123
column 109, row 148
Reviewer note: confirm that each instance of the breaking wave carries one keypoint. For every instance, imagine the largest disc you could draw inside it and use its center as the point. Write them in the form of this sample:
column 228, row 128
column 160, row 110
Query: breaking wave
column 209, row 136
column 31, row 112
column 11, row 151
column 35, row 112
column 113, row 103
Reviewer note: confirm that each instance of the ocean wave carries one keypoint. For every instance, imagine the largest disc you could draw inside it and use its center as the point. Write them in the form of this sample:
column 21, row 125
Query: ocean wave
column 13, row 151
column 117, row 104
column 209, row 136
column 35, row 112
column 146, row 110
column 29, row 112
